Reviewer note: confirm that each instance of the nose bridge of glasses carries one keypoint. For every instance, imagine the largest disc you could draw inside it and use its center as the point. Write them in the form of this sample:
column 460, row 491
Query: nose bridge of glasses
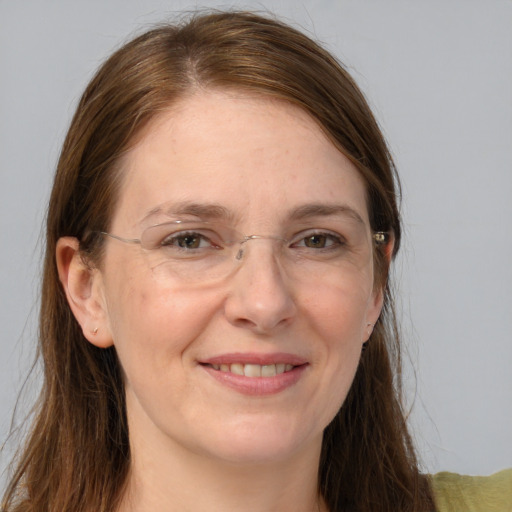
column 247, row 238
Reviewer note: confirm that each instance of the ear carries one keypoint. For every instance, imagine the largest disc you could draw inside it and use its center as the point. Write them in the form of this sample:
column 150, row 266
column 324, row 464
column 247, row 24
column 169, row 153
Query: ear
column 83, row 287
column 373, row 312
column 377, row 298
column 388, row 250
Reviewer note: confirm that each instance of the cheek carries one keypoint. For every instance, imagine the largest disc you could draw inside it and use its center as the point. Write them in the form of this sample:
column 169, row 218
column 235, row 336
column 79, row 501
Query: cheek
column 337, row 315
column 338, row 312
column 152, row 325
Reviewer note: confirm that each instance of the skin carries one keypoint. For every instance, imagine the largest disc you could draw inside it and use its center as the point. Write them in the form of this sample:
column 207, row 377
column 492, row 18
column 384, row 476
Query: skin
column 260, row 159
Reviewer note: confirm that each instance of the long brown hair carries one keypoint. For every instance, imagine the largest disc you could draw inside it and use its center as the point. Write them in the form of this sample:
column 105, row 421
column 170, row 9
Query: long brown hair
column 77, row 455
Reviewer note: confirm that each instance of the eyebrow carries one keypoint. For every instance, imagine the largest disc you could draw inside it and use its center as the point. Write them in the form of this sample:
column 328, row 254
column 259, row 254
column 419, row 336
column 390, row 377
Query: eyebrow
column 325, row 210
column 216, row 211
column 203, row 211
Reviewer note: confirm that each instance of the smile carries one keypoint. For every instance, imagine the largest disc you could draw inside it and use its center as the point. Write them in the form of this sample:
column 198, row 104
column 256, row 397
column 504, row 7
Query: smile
column 256, row 374
column 253, row 370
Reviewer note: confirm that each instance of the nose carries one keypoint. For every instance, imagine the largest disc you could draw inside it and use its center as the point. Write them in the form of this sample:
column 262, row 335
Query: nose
column 261, row 297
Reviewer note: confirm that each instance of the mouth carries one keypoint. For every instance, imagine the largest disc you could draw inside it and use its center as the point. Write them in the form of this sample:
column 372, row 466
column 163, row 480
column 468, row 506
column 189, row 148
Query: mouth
column 256, row 374
column 253, row 370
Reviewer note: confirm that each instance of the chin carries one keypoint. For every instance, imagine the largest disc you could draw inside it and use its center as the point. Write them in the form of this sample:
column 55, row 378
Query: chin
column 264, row 442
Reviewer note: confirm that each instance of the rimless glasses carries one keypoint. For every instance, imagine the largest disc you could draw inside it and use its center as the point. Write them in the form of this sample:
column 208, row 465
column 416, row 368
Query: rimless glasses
column 199, row 251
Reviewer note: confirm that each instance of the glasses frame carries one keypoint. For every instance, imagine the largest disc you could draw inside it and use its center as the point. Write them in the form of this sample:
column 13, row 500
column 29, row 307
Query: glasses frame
column 379, row 237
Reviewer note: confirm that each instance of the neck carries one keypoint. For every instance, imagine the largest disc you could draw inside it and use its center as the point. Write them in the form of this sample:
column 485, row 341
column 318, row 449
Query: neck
column 173, row 479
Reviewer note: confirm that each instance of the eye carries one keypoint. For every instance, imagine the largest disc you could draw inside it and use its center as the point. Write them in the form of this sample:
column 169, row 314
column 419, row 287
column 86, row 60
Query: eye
column 320, row 240
column 178, row 240
column 317, row 241
column 189, row 240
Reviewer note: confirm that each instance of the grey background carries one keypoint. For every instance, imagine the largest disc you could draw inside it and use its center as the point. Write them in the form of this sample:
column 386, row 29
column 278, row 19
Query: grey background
column 438, row 74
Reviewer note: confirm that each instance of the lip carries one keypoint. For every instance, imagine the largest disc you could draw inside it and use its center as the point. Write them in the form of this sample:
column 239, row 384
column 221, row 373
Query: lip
column 254, row 358
column 256, row 386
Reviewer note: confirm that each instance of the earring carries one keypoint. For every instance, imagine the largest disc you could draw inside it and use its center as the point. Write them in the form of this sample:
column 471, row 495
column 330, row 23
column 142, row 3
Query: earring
column 95, row 330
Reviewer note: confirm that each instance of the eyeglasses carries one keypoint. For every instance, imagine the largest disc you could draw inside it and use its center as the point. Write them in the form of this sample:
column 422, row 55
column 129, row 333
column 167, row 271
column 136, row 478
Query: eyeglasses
column 202, row 252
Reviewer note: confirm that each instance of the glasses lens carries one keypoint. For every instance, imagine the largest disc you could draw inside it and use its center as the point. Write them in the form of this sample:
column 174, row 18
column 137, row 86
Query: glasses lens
column 202, row 252
column 190, row 250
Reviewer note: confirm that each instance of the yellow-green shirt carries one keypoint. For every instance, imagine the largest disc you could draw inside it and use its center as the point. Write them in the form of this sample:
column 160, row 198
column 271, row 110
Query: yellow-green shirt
column 460, row 493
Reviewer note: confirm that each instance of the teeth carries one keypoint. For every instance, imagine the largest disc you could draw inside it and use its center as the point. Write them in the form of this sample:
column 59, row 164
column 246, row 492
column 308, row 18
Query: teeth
column 254, row 370
column 237, row 368
column 269, row 370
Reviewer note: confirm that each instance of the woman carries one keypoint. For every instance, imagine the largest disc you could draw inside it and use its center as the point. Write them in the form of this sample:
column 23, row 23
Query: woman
column 216, row 313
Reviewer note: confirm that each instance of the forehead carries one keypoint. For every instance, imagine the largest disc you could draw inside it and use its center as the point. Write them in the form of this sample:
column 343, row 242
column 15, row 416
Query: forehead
column 254, row 156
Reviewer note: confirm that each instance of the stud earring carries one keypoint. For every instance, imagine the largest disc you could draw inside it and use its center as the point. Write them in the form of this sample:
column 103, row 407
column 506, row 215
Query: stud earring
column 95, row 330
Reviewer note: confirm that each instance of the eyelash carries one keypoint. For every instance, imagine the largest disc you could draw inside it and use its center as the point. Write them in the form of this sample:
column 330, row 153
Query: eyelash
column 333, row 240
column 173, row 240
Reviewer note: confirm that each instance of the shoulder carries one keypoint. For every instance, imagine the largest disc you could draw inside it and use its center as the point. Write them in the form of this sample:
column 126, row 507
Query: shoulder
column 461, row 493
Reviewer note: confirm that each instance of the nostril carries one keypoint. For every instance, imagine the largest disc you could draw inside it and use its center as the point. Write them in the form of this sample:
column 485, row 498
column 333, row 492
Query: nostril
column 245, row 322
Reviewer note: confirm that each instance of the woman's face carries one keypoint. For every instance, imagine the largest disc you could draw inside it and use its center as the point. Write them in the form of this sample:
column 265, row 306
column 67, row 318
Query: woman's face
column 262, row 167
